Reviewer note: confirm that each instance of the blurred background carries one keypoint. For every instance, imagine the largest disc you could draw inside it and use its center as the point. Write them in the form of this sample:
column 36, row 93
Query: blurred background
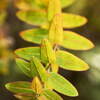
column 87, row 83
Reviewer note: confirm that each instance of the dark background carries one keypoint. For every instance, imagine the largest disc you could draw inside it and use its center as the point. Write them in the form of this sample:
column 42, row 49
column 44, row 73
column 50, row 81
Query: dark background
column 87, row 83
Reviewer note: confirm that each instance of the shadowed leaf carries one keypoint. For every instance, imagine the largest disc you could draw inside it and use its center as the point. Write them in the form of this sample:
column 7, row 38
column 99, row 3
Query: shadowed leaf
column 51, row 95
column 36, row 86
column 34, row 35
column 25, row 96
column 19, row 87
column 56, row 30
column 62, row 85
column 38, row 70
column 33, row 17
column 75, row 41
column 24, row 66
column 72, row 20
column 54, row 7
column 27, row 53
column 68, row 61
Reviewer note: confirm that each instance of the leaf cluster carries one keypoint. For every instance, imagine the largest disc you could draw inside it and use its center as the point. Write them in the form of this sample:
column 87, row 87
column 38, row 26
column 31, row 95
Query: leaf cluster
column 42, row 63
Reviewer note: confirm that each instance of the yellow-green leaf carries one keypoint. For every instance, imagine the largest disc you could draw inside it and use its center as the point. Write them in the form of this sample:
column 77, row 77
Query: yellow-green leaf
column 19, row 87
column 33, row 17
column 75, row 41
column 66, row 3
column 24, row 66
column 56, row 30
column 41, row 98
column 34, row 35
column 47, row 53
column 25, row 96
column 62, row 85
column 50, row 95
column 28, row 52
column 69, row 61
column 72, row 20
column 36, row 86
column 38, row 70
column 54, row 7
column 29, row 4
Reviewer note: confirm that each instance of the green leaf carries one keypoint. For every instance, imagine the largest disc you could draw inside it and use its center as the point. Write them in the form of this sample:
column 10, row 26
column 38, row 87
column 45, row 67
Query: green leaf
column 75, row 41
column 27, row 53
column 66, row 3
column 34, row 35
column 47, row 53
column 56, row 30
column 19, row 87
column 36, row 86
column 41, row 98
column 68, row 61
column 51, row 95
column 62, row 85
column 72, row 20
column 33, row 17
column 24, row 66
column 54, row 7
column 25, row 96
column 29, row 4
column 38, row 70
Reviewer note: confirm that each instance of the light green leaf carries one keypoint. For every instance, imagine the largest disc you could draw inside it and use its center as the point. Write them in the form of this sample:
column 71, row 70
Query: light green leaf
column 33, row 17
column 47, row 53
column 62, row 85
column 51, row 95
column 34, row 35
column 19, row 87
column 41, row 98
column 69, row 61
column 36, row 86
column 72, row 20
column 66, row 3
column 27, row 53
column 38, row 70
column 56, row 30
column 75, row 41
column 24, row 66
column 54, row 7
column 29, row 4
column 25, row 96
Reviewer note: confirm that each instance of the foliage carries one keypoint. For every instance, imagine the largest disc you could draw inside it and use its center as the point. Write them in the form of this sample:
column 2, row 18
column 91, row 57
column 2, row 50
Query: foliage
column 42, row 63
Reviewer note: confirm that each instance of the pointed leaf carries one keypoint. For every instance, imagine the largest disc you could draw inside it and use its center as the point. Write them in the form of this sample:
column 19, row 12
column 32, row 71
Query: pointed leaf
column 36, row 86
column 62, row 85
column 66, row 3
column 56, row 30
column 34, row 35
column 29, row 4
column 25, row 96
column 69, row 61
column 72, row 20
column 54, row 7
column 75, row 41
column 33, row 17
column 19, row 87
column 38, row 70
column 24, row 66
column 47, row 53
column 51, row 95
column 27, row 53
